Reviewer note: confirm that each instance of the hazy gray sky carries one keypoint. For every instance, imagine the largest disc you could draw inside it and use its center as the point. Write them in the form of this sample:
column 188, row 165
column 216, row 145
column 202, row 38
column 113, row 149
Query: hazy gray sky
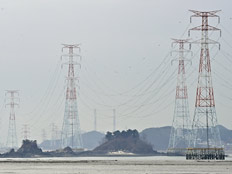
column 124, row 43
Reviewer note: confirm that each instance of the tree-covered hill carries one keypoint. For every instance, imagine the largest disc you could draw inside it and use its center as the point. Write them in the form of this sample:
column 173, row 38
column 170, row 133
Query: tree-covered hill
column 126, row 141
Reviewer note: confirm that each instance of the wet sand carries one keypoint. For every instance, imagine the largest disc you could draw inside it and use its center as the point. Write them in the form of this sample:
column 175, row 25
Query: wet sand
column 112, row 166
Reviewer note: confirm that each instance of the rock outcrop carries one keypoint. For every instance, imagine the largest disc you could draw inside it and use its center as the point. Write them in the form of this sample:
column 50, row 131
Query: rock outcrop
column 28, row 149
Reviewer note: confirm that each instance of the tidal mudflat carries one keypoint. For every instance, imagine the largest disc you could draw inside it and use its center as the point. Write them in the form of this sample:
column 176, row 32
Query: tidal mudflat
column 113, row 165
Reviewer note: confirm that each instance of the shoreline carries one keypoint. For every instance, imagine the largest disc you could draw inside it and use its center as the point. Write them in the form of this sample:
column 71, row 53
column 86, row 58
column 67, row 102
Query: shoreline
column 116, row 160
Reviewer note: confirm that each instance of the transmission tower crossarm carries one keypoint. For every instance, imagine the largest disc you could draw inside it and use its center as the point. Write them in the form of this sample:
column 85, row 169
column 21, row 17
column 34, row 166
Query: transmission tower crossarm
column 206, row 41
column 71, row 54
column 71, row 46
column 208, row 27
column 180, row 40
column 204, row 14
column 181, row 50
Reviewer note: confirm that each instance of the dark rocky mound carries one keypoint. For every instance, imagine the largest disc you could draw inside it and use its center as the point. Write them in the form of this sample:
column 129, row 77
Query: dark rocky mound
column 68, row 150
column 126, row 141
column 28, row 149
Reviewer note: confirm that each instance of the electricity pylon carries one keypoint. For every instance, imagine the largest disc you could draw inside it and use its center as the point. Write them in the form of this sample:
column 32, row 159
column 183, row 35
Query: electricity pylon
column 95, row 119
column 71, row 132
column 12, row 100
column 44, row 135
column 114, row 120
column 25, row 132
column 205, row 126
column 54, row 136
column 181, row 126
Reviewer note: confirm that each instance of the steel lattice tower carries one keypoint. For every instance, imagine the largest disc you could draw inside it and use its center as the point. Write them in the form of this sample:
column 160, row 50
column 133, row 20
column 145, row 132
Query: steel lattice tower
column 25, row 132
column 71, row 133
column 95, row 119
column 12, row 101
column 181, row 127
column 114, row 120
column 54, row 137
column 205, row 126
column 44, row 135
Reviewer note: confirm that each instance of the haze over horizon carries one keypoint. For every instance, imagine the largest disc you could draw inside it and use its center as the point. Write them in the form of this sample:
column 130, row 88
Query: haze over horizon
column 126, row 62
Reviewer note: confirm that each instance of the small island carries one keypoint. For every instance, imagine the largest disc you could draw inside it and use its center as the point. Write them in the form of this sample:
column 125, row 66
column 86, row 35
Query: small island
column 116, row 143
column 124, row 142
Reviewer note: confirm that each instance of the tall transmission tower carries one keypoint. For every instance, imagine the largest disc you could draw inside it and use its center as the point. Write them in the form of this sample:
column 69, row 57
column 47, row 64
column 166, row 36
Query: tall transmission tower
column 181, row 126
column 114, row 120
column 44, row 135
column 12, row 100
column 71, row 132
column 205, row 126
column 95, row 119
column 25, row 132
column 53, row 136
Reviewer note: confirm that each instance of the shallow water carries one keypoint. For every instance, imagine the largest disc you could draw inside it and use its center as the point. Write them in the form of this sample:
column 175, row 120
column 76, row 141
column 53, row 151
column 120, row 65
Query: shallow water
column 113, row 165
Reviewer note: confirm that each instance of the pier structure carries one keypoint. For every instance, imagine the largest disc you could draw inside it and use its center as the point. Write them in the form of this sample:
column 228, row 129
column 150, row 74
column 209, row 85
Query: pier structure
column 205, row 154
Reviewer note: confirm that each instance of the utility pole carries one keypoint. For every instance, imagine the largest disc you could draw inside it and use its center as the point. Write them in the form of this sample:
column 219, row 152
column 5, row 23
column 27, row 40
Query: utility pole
column 205, row 125
column 180, row 132
column 25, row 132
column 95, row 119
column 12, row 100
column 71, row 132
column 114, row 120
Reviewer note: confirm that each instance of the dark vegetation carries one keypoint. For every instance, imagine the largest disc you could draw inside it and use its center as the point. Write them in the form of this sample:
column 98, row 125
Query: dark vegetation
column 126, row 141
column 124, row 134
